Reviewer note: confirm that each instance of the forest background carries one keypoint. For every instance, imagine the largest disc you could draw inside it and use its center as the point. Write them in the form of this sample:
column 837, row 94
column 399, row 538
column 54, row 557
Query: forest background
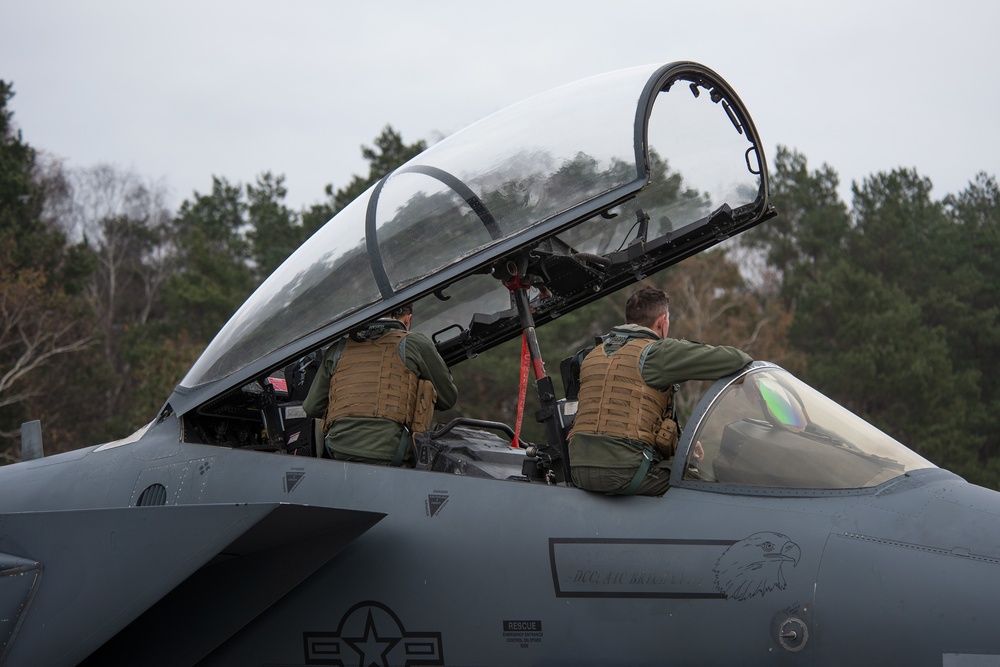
column 889, row 305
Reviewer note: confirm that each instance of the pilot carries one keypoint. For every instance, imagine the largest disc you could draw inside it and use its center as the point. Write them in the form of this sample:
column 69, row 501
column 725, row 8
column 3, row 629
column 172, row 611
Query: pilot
column 624, row 435
column 377, row 386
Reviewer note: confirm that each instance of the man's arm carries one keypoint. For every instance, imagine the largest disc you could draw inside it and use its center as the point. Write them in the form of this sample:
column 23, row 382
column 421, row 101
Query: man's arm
column 669, row 361
column 420, row 356
column 316, row 399
column 319, row 391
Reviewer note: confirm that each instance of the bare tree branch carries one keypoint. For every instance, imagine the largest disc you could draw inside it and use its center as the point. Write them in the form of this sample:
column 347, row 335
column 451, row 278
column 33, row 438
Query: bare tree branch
column 36, row 325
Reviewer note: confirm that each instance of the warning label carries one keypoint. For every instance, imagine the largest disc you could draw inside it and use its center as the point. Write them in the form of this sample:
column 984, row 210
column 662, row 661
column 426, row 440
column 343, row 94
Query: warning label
column 522, row 633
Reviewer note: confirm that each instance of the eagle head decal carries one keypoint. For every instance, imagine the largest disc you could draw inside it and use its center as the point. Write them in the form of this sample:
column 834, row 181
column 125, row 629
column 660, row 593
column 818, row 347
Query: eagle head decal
column 753, row 565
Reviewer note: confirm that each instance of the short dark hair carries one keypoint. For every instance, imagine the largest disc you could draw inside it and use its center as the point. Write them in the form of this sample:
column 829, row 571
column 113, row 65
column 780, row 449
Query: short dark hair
column 405, row 309
column 646, row 305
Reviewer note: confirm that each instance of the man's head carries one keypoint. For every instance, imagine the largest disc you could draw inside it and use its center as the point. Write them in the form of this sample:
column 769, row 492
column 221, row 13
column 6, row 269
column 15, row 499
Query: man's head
column 404, row 314
column 649, row 307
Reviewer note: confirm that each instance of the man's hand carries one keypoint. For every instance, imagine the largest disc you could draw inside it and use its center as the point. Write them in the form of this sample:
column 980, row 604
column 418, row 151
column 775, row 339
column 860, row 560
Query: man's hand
column 697, row 452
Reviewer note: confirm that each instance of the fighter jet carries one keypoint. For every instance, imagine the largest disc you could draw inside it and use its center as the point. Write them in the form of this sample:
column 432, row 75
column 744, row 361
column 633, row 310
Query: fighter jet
column 793, row 532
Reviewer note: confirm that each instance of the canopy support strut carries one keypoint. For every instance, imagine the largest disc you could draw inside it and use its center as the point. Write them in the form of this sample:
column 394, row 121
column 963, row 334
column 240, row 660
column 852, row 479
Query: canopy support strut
column 548, row 414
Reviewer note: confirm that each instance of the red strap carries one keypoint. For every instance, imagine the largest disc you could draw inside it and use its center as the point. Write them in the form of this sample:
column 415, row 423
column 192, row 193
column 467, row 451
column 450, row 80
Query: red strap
column 523, row 390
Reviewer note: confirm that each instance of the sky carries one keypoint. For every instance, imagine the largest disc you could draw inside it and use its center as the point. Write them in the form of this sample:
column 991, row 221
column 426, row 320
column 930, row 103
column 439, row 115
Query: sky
column 183, row 90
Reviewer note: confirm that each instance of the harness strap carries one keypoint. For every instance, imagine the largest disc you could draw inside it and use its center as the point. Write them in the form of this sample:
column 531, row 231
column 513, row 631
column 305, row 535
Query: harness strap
column 405, row 440
column 640, row 473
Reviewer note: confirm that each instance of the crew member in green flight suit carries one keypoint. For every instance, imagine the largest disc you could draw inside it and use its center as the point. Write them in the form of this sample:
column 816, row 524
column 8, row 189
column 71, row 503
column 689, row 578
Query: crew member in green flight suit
column 624, row 435
column 369, row 389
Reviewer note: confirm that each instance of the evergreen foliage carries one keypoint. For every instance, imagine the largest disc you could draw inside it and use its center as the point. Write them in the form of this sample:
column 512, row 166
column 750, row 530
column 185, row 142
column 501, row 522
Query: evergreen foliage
column 893, row 304
column 890, row 305
column 44, row 320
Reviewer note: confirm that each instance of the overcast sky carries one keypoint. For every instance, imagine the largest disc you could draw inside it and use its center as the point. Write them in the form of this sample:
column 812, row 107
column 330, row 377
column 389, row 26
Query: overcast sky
column 182, row 90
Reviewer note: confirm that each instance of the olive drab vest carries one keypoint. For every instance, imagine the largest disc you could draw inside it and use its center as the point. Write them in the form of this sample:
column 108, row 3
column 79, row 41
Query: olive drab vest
column 615, row 401
column 370, row 380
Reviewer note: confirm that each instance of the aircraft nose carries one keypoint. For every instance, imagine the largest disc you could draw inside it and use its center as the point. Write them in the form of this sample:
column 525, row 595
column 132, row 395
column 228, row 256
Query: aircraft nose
column 964, row 521
column 924, row 567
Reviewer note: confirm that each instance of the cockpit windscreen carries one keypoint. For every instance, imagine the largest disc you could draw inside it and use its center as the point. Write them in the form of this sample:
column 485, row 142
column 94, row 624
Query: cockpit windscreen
column 769, row 429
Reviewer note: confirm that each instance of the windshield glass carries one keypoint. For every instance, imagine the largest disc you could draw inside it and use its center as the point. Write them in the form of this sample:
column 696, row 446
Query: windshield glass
column 769, row 429
column 626, row 169
column 692, row 173
column 494, row 179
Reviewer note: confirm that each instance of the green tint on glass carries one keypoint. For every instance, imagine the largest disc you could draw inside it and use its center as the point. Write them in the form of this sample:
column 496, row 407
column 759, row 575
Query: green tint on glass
column 780, row 403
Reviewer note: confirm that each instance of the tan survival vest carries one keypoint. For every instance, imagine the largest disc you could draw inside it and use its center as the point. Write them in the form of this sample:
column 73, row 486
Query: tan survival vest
column 372, row 381
column 615, row 401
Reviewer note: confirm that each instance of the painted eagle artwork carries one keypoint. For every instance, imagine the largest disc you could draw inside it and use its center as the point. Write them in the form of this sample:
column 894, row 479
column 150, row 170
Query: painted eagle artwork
column 753, row 565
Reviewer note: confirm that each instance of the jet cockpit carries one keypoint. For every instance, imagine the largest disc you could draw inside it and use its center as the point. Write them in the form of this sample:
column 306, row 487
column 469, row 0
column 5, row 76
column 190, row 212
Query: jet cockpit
column 526, row 215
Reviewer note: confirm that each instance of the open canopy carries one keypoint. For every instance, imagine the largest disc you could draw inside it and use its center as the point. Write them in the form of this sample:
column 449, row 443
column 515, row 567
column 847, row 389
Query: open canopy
column 583, row 189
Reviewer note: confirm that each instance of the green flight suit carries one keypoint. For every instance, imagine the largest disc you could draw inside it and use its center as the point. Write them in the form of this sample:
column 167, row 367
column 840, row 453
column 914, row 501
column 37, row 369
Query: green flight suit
column 375, row 440
column 608, row 464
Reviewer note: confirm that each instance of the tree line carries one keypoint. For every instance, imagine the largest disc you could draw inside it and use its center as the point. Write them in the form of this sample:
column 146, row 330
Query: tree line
column 107, row 297
column 889, row 305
